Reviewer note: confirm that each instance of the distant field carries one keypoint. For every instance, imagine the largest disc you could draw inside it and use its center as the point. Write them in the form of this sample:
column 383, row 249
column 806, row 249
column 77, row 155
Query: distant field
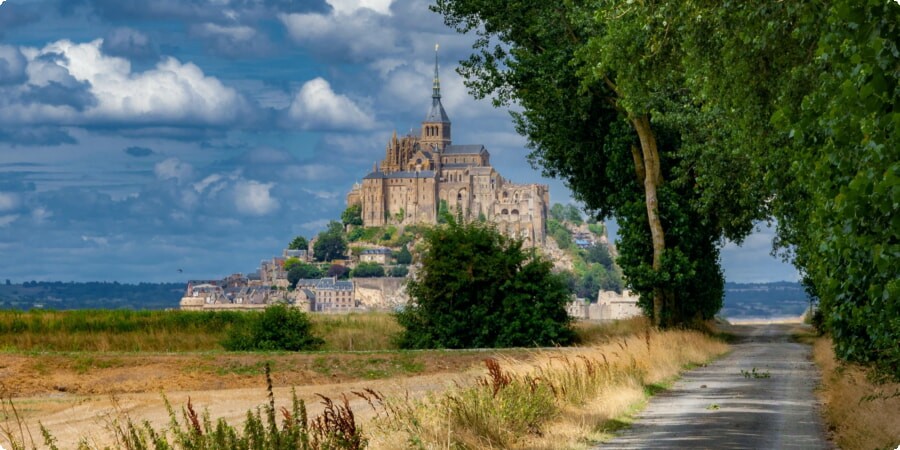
column 172, row 331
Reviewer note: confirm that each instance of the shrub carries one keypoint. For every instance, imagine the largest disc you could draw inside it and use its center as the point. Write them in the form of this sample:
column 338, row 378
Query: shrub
column 478, row 288
column 368, row 270
column 399, row 271
column 279, row 327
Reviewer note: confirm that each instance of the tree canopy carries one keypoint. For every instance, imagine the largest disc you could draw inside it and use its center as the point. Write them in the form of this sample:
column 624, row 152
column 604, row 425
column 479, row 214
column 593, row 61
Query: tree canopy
column 477, row 288
column 604, row 109
column 300, row 271
column 352, row 215
column 368, row 270
column 299, row 243
column 690, row 121
column 330, row 244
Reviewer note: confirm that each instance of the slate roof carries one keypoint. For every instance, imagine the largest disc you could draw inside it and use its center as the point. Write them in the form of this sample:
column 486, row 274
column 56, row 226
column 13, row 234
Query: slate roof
column 330, row 284
column 437, row 113
column 400, row 174
column 376, row 251
column 464, row 149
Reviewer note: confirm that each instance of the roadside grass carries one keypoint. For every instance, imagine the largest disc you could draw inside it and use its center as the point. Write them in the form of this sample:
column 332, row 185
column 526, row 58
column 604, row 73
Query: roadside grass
column 861, row 413
column 550, row 400
column 173, row 331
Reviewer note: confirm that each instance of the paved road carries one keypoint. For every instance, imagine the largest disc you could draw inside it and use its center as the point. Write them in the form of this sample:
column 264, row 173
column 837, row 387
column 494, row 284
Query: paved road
column 717, row 407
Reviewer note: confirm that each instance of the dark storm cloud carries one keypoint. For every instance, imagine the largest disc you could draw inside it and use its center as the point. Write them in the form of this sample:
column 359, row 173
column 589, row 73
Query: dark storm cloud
column 36, row 136
column 138, row 152
column 129, row 43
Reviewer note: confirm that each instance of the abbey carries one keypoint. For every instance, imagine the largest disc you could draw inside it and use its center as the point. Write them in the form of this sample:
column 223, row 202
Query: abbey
column 423, row 174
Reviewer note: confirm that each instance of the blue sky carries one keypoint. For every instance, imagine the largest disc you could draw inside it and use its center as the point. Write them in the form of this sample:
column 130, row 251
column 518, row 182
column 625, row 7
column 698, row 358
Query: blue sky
column 138, row 138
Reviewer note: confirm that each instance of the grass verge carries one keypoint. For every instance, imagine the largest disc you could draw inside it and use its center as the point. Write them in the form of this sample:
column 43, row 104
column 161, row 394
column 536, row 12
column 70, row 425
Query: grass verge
column 551, row 400
column 860, row 413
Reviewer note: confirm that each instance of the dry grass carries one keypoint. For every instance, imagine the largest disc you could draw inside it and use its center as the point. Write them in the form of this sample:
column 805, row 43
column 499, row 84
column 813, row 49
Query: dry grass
column 173, row 331
column 860, row 414
column 555, row 399
column 356, row 331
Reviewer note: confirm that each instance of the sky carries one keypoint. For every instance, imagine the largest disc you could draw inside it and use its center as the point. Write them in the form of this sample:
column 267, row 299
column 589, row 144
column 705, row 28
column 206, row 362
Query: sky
column 182, row 139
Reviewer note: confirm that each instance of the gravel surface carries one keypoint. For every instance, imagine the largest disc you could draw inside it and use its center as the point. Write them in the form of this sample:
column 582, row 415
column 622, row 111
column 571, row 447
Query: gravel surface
column 726, row 405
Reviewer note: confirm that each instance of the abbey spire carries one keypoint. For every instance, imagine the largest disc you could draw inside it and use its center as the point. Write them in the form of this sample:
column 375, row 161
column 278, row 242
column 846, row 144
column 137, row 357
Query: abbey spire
column 436, row 126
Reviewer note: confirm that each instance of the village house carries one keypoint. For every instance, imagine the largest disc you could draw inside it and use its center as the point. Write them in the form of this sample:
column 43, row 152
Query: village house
column 376, row 255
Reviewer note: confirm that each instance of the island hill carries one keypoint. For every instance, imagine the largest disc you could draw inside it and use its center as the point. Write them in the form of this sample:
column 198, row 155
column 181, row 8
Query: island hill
column 423, row 179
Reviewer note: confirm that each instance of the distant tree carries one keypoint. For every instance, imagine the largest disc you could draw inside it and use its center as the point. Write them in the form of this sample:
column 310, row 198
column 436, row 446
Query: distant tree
column 302, row 271
column 399, row 271
column 330, row 244
column 478, row 288
column 599, row 253
column 404, row 256
column 558, row 212
column 368, row 270
column 279, row 327
column 339, row 271
column 573, row 214
column 352, row 215
column 444, row 215
column 299, row 243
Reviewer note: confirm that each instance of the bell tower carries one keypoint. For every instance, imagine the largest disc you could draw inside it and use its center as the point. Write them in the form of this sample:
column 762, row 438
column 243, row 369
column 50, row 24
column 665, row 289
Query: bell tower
column 436, row 126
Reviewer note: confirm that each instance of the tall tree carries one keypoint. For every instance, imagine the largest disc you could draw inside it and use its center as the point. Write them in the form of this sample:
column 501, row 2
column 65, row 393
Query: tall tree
column 299, row 243
column 816, row 86
column 352, row 215
column 330, row 244
column 601, row 87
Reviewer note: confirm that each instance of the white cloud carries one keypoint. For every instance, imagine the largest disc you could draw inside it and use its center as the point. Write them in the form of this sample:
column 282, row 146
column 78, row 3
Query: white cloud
column 311, row 172
column 8, row 201
column 97, row 240
column 316, row 106
column 40, row 215
column 236, row 33
column 361, row 35
column 253, row 198
column 173, row 168
column 344, row 7
column 8, row 219
column 171, row 92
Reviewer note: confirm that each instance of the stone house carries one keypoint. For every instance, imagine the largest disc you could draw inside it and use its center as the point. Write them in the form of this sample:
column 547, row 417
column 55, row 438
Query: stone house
column 376, row 255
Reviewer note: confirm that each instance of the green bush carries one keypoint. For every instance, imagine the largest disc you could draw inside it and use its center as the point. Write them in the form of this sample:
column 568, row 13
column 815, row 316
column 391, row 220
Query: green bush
column 399, row 271
column 477, row 288
column 368, row 270
column 279, row 327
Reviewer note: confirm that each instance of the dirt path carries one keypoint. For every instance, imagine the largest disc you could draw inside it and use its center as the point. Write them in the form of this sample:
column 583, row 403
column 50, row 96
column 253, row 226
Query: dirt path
column 721, row 407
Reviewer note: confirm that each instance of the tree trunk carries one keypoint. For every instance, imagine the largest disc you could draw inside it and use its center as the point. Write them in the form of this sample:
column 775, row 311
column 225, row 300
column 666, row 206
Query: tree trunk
column 652, row 180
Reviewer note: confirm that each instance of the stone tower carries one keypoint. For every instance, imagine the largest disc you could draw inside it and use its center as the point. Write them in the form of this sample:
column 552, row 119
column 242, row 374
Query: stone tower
column 436, row 126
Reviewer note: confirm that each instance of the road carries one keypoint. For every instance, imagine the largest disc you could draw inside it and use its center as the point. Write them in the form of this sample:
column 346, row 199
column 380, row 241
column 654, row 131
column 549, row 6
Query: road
column 726, row 405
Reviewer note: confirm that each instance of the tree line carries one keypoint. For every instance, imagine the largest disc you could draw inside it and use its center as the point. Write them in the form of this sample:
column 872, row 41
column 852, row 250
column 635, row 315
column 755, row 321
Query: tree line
column 692, row 122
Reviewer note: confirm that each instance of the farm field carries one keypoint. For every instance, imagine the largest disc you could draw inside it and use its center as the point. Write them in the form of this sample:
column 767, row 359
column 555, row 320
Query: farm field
column 81, row 395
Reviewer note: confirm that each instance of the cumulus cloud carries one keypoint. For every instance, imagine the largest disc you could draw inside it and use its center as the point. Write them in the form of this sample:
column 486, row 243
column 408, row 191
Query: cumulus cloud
column 317, row 107
column 173, row 168
column 350, row 6
column 71, row 83
column 6, row 220
column 254, row 198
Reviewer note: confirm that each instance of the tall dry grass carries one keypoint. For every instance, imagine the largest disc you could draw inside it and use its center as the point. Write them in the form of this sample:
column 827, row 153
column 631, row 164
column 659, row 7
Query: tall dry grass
column 860, row 414
column 556, row 399
column 356, row 331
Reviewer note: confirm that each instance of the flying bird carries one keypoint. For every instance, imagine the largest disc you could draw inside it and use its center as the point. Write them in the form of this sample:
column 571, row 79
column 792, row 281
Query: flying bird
column 179, row 270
